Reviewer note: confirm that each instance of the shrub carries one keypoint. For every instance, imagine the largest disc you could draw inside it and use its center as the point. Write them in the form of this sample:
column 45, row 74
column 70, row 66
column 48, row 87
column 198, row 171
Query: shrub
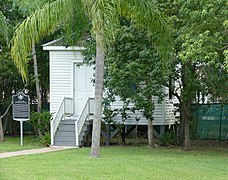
column 167, row 139
column 44, row 125
column 46, row 139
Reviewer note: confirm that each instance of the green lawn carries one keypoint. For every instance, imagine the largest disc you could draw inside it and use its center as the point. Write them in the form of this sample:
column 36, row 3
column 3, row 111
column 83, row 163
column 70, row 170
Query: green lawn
column 118, row 163
column 13, row 144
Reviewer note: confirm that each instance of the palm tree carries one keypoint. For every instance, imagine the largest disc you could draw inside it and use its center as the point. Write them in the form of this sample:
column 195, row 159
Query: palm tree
column 27, row 8
column 104, row 17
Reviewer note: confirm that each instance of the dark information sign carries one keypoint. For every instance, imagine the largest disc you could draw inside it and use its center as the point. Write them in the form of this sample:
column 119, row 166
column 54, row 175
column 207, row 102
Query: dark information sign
column 21, row 107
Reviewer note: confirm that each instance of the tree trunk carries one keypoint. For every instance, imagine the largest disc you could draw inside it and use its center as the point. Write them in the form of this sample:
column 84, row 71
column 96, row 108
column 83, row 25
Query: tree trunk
column 1, row 130
column 184, row 136
column 38, row 93
column 95, row 148
column 187, row 117
column 186, row 133
column 149, row 115
column 123, row 135
column 181, row 126
column 150, row 133
column 187, row 94
column 1, row 126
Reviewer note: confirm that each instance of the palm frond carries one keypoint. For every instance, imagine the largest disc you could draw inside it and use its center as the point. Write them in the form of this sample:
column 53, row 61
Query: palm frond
column 43, row 22
column 143, row 14
column 104, row 18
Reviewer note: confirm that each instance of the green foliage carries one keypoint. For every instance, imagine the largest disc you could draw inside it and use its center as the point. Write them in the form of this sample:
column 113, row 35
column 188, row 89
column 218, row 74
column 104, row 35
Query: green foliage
column 11, row 17
column 133, row 69
column 203, row 38
column 10, row 12
column 46, row 139
column 44, row 125
column 42, row 23
column 199, row 30
column 104, row 17
column 124, row 112
column 108, row 114
column 4, row 27
column 26, row 7
column 167, row 139
column 9, row 77
column 43, row 73
column 90, row 52
column 226, row 59
column 202, row 31
column 200, row 35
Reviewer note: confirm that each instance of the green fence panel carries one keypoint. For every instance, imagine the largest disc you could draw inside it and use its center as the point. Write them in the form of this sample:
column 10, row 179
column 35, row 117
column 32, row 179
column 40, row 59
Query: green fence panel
column 209, row 121
column 224, row 123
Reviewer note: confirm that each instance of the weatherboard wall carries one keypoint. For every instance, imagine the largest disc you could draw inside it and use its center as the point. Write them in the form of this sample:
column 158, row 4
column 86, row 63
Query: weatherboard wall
column 61, row 76
column 62, row 62
column 163, row 113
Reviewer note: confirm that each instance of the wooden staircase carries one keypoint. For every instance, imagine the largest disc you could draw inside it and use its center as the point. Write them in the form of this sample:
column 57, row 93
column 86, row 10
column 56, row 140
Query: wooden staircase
column 70, row 130
column 85, row 137
column 65, row 134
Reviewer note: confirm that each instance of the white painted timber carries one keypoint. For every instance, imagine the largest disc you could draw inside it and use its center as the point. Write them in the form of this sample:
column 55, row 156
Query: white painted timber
column 61, row 75
column 83, row 86
column 68, row 80
column 163, row 113
column 48, row 47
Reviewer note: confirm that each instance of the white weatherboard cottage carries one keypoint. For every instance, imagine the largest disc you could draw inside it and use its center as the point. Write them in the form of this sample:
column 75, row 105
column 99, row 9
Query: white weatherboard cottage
column 71, row 98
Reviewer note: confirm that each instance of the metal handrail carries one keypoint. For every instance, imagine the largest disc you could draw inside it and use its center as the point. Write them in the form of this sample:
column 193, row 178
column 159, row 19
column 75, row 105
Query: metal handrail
column 65, row 108
column 87, row 110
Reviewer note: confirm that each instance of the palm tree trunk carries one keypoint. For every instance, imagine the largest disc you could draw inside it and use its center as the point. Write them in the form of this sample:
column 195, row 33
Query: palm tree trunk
column 95, row 149
column 38, row 93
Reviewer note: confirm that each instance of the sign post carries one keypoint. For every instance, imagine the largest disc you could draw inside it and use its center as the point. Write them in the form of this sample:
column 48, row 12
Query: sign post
column 21, row 131
column 21, row 110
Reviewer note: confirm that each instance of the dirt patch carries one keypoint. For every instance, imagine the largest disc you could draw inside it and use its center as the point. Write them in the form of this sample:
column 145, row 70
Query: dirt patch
column 209, row 145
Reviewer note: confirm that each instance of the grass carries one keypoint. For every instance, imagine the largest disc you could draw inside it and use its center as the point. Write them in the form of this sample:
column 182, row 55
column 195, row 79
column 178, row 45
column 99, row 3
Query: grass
column 13, row 144
column 118, row 162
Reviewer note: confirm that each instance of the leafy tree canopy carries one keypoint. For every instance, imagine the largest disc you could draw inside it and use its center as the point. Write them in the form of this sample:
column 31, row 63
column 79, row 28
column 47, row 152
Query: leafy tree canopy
column 133, row 68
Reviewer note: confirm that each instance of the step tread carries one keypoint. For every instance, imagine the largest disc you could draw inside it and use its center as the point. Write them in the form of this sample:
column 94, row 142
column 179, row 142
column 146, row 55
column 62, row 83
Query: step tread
column 66, row 128
column 62, row 143
column 64, row 137
column 65, row 133
column 64, row 140
column 70, row 122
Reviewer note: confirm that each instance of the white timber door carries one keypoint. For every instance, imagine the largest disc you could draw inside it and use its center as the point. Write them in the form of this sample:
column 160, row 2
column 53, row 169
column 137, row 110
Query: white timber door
column 83, row 86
